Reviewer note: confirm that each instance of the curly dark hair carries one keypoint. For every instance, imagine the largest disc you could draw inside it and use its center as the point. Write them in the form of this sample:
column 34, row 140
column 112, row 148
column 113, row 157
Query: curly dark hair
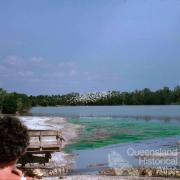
column 14, row 139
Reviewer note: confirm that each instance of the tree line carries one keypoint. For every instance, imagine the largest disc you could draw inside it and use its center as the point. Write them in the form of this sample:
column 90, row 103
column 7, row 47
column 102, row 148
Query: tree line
column 11, row 103
column 164, row 96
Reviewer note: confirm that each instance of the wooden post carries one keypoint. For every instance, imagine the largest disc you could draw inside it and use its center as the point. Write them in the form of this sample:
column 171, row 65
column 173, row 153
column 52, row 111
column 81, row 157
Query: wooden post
column 40, row 140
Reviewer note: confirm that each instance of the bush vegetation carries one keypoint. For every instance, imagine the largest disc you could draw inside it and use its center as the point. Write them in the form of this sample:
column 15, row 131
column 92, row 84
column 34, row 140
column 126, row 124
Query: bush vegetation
column 164, row 96
column 11, row 103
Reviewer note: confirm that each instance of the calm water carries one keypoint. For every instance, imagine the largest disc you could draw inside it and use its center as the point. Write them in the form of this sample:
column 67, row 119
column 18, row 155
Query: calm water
column 109, row 111
column 116, row 128
column 106, row 125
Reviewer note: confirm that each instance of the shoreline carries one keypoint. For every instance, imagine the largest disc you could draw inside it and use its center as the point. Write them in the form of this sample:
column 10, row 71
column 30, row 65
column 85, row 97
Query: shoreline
column 62, row 159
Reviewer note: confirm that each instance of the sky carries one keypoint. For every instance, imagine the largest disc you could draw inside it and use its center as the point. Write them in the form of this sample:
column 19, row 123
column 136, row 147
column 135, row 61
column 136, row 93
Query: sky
column 62, row 46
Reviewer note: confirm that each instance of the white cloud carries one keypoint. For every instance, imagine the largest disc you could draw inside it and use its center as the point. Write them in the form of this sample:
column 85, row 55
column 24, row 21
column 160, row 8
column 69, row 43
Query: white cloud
column 54, row 75
column 37, row 71
column 94, row 76
column 2, row 68
column 14, row 61
column 37, row 59
column 68, row 68
column 39, row 67
column 26, row 73
column 5, row 71
column 10, row 44
column 68, row 65
column 72, row 72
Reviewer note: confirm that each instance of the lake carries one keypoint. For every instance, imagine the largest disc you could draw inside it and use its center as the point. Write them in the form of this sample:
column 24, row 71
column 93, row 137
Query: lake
column 108, row 111
column 115, row 129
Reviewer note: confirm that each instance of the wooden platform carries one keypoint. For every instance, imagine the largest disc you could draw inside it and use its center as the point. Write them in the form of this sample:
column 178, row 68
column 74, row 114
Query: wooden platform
column 42, row 144
column 42, row 141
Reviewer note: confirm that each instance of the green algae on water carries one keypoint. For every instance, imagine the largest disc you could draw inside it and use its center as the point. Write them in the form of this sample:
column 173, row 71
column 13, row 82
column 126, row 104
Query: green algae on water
column 100, row 132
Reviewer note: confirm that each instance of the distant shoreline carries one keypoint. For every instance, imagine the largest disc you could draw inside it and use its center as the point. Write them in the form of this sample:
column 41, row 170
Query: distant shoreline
column 14, row 102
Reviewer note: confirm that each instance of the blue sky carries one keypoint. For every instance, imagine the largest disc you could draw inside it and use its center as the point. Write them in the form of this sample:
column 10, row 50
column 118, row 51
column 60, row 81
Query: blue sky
column 60, row 46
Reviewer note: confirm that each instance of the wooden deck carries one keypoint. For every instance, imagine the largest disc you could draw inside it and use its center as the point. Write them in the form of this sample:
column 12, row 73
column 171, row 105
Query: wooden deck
column 42, row 141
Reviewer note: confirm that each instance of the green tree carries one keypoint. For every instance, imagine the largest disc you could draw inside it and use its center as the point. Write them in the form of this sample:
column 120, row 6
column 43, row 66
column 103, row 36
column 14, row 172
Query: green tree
column 2, row 94
column 9, row 104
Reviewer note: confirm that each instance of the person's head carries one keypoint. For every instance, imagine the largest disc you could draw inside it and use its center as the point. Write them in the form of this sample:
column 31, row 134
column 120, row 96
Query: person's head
column 14, row 139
